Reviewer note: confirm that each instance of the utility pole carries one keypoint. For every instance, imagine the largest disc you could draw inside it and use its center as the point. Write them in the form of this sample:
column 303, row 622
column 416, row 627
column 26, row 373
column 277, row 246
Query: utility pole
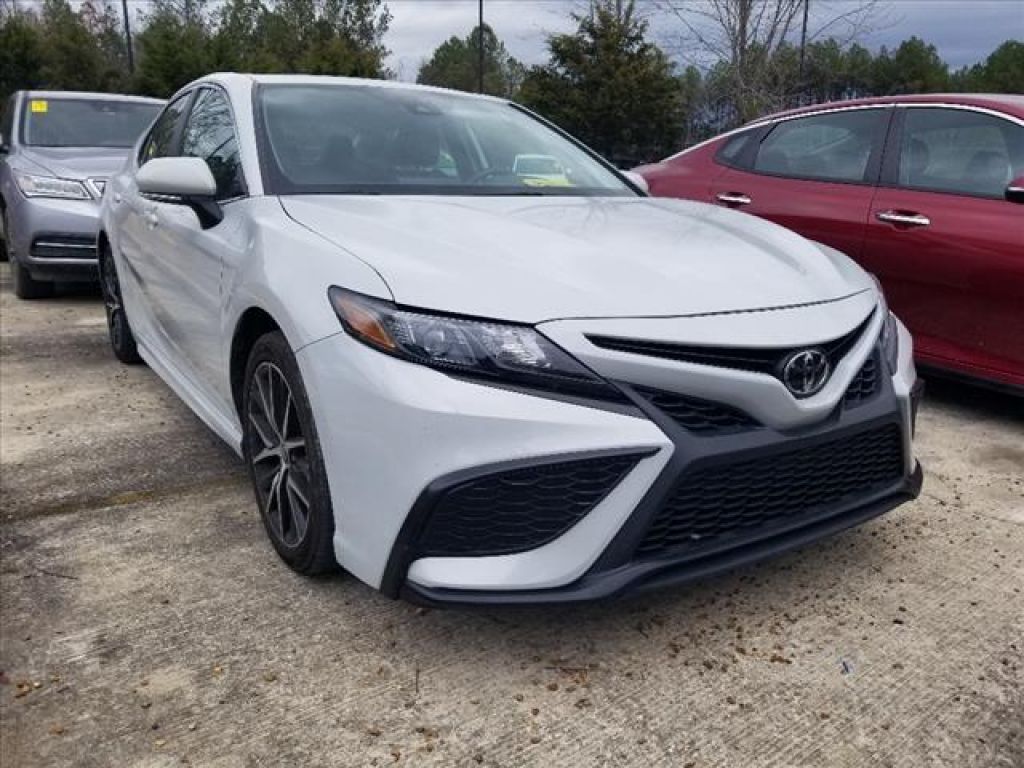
column 480, row 50
column 128, row 37
column 803, row 42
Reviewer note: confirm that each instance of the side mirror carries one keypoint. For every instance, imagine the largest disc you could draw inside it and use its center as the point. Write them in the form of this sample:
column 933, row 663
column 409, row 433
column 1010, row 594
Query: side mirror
column 4, row 149
column 183, row 180
column 637, row 181
column 1015, row 191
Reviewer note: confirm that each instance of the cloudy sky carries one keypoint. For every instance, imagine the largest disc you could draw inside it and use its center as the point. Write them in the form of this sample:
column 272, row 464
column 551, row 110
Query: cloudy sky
column 964, row 31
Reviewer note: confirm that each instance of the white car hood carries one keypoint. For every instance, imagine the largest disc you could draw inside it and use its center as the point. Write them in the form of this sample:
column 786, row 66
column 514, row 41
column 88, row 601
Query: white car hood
column 531, row 259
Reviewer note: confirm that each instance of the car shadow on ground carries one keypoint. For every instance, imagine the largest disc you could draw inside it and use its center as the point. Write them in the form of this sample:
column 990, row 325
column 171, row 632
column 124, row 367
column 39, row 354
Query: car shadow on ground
column 76, row 291
column 972, row 399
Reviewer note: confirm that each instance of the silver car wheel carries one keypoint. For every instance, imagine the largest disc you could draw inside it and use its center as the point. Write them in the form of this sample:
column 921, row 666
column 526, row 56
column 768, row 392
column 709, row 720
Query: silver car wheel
column 278, row 454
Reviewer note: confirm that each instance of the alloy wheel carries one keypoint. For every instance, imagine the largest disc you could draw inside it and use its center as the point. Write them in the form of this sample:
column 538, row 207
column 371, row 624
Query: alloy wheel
column 112, row 301
column 278, row 454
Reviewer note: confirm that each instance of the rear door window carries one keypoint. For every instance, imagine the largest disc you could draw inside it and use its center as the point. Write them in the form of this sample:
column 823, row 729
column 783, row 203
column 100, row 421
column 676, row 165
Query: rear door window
column 959, row 151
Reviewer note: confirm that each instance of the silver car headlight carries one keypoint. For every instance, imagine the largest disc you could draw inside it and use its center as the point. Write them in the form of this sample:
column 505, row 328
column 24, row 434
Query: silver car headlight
column 889, row 339
column 484, row 349
column 50, row 186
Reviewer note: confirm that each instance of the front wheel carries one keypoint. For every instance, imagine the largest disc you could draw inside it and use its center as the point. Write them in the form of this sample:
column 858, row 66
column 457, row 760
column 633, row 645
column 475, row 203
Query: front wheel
column 122, row 340
column 3, row 232
column 285, row 463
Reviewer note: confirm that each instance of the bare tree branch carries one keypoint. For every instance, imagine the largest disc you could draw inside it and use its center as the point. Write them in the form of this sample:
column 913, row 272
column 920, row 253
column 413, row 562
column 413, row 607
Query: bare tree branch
column 744, row 40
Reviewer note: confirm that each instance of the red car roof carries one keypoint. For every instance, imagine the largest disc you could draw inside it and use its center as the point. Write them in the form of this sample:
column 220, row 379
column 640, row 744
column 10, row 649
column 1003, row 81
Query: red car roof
column 1011, row 104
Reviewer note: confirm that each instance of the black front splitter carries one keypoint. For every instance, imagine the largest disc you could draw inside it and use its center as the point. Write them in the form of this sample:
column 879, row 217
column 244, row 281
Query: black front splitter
column 646, row 575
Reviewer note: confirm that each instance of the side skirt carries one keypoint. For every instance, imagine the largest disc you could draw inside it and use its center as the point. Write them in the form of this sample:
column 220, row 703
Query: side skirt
column 183, row 387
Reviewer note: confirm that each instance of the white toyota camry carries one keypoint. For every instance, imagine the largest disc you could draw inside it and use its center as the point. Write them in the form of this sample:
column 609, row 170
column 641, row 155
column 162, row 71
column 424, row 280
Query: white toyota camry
column 469, row 361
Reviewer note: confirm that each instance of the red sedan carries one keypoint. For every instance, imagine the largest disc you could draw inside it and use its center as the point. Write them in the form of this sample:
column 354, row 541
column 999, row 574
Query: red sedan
column 923, row 191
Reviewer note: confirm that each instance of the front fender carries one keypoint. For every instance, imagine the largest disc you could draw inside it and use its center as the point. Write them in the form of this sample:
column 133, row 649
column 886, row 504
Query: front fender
column 285, row 270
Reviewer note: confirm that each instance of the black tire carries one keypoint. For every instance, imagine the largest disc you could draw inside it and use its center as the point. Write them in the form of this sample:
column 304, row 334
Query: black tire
column 122, row 340
column 27, row 287
column 3, row 234
column 282, row 451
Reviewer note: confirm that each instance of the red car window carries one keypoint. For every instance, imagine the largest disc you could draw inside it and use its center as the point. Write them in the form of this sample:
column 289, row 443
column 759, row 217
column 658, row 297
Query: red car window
column 959, row 151
column 835, row 146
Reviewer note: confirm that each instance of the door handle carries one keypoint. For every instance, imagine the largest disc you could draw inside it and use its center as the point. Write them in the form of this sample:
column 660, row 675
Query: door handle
column 151, row 219
column 733, row 198
column 906, row 219
column 117, row 197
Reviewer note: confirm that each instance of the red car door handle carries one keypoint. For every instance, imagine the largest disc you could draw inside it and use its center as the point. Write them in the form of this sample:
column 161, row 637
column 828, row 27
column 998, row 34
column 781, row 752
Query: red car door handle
column 905, row 218
column 733, row 198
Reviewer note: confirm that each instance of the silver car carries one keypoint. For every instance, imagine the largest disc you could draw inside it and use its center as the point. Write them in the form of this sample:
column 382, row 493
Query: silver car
column 57, row 149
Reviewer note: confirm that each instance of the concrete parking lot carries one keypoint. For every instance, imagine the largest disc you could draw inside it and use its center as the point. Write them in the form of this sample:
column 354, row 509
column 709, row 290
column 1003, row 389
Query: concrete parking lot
column 147, row 622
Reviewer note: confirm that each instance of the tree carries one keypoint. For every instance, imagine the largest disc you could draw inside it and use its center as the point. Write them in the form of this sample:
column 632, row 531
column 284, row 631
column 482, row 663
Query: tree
column 914, row 67
column 21, row 52
column 72, row 57
column 1001, row 72
column 753, row 38
column 333, row 37
column 611, row 87
column 455, row 63
column 103, row 22
column 173, row 47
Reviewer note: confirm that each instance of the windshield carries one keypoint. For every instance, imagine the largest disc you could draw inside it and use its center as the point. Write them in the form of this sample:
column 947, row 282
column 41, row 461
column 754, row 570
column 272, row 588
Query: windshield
column 85, row 123
column 338, row 139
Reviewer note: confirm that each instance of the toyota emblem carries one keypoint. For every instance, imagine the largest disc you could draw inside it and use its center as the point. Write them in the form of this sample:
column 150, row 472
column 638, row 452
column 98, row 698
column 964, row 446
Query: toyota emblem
column 805, row 372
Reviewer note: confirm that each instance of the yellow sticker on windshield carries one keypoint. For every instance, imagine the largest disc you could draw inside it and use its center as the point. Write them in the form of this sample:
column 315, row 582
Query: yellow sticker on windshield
column 40, row 105
column 553, row 180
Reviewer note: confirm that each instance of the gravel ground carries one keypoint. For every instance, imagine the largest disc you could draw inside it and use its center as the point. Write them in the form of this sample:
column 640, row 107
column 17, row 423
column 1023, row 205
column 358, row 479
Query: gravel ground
column 147, row 622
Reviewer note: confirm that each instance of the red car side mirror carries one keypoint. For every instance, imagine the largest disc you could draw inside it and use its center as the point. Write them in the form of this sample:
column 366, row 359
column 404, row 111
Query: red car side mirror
column 1015, row 191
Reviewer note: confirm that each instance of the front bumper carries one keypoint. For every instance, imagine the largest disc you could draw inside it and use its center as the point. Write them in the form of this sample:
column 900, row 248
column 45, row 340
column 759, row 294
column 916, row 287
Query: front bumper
column 397, row 438
column 643, row 576
column 55, row 239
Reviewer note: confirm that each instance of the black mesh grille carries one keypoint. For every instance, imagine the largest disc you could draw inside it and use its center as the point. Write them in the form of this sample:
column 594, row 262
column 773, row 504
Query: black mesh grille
column 864, row 384
column 717, row 503
column 700, row 416
column 520, row 509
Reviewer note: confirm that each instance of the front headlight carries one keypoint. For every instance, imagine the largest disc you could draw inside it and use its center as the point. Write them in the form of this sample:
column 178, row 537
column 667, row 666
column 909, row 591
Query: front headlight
column 890, row 341
column 500, row 352
column 890, row 337
column 50, row 186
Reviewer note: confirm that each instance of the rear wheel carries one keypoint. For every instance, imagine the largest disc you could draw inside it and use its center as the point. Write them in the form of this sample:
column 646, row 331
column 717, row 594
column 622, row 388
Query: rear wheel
column 285, row 463
column 27, row 287
column 122, row 340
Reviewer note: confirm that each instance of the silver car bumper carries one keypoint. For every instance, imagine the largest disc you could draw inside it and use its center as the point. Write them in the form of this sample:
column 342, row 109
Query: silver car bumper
column 54, row 239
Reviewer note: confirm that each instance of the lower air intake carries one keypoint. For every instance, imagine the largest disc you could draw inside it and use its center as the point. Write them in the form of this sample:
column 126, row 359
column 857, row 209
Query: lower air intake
column 751, row 498
column 519, row 509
